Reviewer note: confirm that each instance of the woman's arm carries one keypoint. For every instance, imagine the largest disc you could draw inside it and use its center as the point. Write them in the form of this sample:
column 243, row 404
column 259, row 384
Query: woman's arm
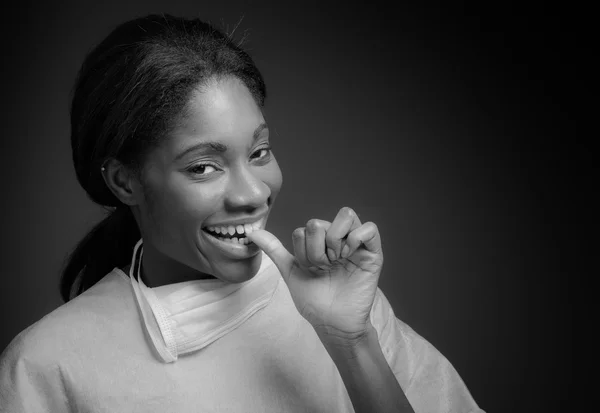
column 334, row 289
column 368, row 378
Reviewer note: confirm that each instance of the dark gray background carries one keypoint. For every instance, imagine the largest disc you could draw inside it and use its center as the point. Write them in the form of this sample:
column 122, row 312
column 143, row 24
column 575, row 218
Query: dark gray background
column 448, row 128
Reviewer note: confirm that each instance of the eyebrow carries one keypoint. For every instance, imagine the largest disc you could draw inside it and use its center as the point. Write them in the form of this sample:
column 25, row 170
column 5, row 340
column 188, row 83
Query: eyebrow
column 211, row 146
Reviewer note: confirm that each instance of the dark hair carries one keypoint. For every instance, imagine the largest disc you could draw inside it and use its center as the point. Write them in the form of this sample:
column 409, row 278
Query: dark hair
column 131, row 91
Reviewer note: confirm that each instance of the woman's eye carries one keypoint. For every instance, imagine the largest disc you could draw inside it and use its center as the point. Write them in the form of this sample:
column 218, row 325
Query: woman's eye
column 202, row 169
column 265, row 151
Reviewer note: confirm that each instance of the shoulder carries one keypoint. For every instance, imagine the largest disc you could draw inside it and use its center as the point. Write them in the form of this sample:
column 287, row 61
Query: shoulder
column 70, row 327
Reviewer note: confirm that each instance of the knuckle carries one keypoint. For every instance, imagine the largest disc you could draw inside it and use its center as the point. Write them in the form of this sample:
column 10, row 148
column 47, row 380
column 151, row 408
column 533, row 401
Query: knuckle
column 371, row 226
column 314, row 224
column 311, row 224
column 348, row 211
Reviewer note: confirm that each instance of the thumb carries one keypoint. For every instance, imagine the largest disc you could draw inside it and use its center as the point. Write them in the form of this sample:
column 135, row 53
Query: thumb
column 271, row 245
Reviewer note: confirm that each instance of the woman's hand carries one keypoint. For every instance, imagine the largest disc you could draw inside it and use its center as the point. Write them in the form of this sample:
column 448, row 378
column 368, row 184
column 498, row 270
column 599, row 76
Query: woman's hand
column 333, row 274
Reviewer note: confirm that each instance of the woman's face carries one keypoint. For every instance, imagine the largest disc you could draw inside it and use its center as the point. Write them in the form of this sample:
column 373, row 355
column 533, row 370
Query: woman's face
column 216, row 170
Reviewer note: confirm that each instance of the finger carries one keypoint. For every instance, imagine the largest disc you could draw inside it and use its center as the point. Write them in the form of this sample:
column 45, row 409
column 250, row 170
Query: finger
column 274, row 249
column 299, row 241
column 345, row 222
column 367, row 235
column 315, row 242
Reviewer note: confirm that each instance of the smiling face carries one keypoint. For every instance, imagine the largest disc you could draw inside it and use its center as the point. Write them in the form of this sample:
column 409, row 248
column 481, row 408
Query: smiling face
column 215, row 170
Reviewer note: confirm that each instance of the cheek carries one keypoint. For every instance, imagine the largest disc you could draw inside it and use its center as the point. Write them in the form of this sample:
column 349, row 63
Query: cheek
column 194, row 202
column 273, row 178
column 182, row 204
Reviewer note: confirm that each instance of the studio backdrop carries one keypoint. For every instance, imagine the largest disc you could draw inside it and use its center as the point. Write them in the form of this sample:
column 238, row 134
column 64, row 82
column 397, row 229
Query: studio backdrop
column 438, row 125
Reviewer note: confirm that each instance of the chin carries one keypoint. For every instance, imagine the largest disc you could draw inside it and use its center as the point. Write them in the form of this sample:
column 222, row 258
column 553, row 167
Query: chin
column 238, row 271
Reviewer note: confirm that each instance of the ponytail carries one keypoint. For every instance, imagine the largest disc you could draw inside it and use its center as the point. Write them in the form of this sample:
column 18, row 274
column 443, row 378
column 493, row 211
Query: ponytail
column 108, row 245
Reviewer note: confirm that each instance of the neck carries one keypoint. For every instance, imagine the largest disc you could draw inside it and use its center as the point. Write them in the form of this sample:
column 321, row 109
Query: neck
column 158, row 269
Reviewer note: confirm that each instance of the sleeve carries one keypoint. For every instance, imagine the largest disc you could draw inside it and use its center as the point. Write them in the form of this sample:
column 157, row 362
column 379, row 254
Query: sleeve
column 430, row 382
column 27, row 385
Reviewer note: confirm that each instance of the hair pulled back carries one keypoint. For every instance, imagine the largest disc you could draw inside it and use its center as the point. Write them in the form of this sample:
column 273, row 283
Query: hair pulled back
column 131, row 91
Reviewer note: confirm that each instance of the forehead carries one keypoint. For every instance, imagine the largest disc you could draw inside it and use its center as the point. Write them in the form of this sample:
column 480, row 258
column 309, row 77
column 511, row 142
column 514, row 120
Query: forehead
column 221, row 109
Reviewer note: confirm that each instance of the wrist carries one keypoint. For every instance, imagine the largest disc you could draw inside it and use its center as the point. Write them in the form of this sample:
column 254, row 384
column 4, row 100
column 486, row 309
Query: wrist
column 347, row 345
column 367, row 376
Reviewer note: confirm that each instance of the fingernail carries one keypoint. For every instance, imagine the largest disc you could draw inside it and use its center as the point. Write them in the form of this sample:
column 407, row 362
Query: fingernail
column 345, row 251
column 331, row 254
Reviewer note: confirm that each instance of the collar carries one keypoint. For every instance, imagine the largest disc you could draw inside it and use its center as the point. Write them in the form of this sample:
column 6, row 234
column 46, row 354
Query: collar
column 188, row 316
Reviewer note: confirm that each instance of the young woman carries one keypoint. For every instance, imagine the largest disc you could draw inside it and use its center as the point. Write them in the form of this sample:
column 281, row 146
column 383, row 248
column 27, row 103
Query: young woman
column 180, row 300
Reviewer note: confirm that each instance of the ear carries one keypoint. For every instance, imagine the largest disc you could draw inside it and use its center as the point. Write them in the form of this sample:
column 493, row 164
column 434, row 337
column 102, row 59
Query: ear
column 121, row 181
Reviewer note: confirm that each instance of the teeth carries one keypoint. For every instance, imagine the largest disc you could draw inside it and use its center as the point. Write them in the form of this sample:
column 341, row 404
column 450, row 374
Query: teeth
column 235, row 240
column 240, row 229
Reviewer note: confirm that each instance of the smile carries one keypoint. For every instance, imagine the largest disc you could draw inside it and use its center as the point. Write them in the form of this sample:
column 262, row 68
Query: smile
column 234, row 234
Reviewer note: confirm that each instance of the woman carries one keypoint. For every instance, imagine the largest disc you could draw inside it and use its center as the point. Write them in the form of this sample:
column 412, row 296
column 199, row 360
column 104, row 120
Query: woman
column 180, row 300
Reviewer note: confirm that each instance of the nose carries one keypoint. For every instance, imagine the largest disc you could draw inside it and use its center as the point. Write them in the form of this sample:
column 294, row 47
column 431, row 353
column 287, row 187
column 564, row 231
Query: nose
column 246, row 191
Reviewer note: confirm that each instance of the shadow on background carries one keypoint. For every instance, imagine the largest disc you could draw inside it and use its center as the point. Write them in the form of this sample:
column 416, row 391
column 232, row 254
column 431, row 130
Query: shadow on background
column 442, row 127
